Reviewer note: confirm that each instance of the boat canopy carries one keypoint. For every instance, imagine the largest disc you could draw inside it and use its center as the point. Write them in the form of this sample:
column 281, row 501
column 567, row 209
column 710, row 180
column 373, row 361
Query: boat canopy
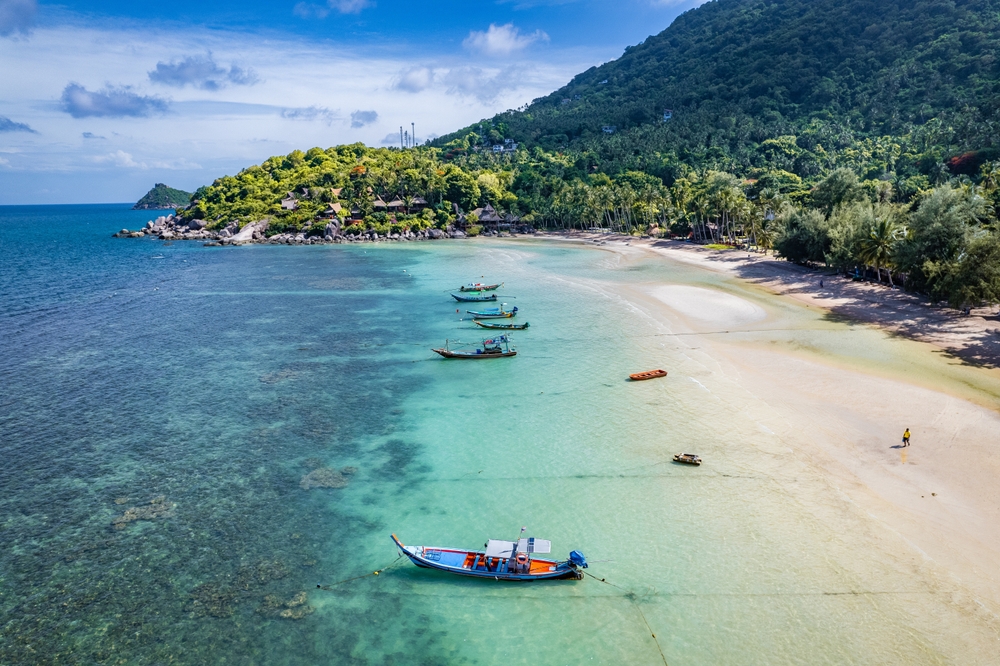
column 533, row 545
column 507, row 549
column 496, row 548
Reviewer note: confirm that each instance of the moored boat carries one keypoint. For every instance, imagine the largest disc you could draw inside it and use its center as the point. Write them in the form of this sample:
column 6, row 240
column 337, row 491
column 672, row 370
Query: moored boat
column 649, row 374
column 687, row 458
column 502, row 327
column 474, row 299
column 494, row 313
column 479, row 286
column 498, row 347
column 500, row 560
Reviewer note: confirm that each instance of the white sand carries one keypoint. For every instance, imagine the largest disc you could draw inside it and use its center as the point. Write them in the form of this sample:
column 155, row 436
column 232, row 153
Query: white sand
column 708, row 305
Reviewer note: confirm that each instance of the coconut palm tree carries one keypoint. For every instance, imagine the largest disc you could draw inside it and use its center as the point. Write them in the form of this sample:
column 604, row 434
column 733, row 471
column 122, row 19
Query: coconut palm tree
column 878, row 247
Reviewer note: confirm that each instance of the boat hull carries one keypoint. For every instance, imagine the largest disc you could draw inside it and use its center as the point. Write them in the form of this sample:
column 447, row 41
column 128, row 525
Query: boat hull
column 447, row 353
column 474, row 299
column 481, row 287
column 501, row 327
column 475, row 564
column 649, row 374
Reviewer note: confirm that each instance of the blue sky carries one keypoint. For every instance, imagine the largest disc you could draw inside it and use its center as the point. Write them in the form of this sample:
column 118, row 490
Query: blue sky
column 99, row 100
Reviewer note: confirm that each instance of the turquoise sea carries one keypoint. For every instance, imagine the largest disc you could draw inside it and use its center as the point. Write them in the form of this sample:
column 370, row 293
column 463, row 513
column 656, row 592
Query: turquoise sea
column 162, row 405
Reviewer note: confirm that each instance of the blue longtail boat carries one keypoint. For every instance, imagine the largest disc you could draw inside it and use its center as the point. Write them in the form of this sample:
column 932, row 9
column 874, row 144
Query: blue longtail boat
column 493, row 313
column 474, row 299
column 500, row 560
column 498, row 347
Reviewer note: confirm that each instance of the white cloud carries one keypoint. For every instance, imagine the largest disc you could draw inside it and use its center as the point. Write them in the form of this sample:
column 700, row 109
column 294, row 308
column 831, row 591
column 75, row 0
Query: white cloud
column 501, row 40
column 201, row 71
column 320, row 113
column 350, row 6
column 119, row 158
column 308, row 10
column 414, row 79
column 361, row 118
column 294, row 106
column 483, row 85
column 4, row 161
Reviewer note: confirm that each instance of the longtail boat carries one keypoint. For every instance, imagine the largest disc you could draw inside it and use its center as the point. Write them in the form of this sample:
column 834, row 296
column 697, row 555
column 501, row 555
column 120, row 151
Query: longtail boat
column 498, row 347
column 474, row 299
column 687, row 458
column 502, row 327
column 500, row 560
column 649, row 374
column 479, row 286
column 494, row 313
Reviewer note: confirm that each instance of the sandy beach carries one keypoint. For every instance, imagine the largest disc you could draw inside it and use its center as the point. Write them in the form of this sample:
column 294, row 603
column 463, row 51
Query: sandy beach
column 844, row 419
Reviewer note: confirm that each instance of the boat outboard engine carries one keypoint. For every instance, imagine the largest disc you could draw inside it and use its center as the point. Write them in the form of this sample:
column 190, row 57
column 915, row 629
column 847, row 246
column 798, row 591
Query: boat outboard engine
column 576, row 559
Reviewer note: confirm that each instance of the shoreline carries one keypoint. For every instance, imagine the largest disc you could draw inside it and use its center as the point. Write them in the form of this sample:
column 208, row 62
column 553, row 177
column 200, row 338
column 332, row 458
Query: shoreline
column 843, row 422
column 973, row 339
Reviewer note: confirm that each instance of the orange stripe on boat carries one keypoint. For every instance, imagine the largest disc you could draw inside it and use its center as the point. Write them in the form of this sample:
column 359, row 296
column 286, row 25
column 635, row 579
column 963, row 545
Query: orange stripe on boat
column 648, row 374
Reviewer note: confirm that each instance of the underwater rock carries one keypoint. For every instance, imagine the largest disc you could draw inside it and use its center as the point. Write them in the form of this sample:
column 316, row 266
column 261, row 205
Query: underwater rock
column 121, row 500
column 293, row 609
column 253, row 575
column 324, row 477
column 312, row 463
column 349, row 471
column 212, row 599
column 158, row 507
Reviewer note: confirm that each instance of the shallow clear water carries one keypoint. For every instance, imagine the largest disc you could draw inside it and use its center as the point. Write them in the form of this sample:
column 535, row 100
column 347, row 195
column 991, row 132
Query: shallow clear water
column 217, row 378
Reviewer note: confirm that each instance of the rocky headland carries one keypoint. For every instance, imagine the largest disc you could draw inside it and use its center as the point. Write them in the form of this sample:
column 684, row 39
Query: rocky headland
column 172, row 227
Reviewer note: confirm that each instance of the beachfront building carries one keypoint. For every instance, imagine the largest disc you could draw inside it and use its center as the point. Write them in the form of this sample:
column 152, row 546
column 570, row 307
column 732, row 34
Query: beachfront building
column 289, row 202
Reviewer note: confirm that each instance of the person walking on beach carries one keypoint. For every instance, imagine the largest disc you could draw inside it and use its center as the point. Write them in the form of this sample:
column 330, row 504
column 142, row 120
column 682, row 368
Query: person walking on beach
column 906, row 437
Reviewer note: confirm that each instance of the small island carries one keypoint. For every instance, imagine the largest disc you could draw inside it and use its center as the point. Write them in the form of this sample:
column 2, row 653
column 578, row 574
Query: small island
column 162, row 196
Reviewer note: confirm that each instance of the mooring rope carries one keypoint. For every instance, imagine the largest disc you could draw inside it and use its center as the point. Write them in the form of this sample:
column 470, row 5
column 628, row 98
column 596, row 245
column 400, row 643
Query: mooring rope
column 329, row 587
column 634, row 599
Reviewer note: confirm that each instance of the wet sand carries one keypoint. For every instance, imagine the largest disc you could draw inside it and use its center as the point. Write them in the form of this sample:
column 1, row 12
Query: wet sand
column 844, row 417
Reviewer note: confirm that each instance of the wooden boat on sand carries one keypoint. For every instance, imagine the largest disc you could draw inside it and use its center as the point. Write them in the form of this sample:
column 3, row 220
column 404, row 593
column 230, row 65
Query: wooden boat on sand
column 474, row 299
column 502, row 327
column 479, row 286
column 493, row 313
column 500, row 560
column 649, row 374
column 498, row 347
column 687, row 458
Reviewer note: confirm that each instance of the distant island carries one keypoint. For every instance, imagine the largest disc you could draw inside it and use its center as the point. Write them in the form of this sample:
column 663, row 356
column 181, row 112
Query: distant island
column 162, row 196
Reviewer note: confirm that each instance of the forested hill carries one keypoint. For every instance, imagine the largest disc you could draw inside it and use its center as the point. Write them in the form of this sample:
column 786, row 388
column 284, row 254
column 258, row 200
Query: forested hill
column 736, row 73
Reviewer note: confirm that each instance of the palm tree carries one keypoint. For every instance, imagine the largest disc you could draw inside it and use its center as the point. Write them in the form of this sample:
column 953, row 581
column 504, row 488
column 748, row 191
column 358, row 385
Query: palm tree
column 878, row 246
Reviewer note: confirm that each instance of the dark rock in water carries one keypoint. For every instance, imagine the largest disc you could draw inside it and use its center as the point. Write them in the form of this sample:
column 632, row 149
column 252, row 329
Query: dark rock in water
column 212, row 599
column 435, row 233
column 349, row 471
column 158, row 507
column 324, row 477
column 295, row 608
column 195, row 225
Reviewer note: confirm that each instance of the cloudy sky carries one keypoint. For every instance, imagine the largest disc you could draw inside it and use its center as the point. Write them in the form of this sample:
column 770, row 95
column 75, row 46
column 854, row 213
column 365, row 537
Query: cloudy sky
column 101, row 99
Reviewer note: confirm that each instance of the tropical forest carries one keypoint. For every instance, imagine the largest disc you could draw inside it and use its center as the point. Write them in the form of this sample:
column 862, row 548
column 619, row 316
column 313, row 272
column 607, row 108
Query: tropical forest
column 853, row 134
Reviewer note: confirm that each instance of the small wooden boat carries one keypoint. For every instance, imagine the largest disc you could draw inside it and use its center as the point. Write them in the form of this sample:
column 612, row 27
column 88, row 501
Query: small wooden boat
column 498, row 347
column 502, row 327
column 479, row 286
column 494, row 313
column 474, row 299
column 649, row 374
column 501, row 560
column 687, row 458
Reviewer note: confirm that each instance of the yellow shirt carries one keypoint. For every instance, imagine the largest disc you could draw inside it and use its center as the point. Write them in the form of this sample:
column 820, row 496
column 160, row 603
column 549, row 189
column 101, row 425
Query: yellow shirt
column 906, row 434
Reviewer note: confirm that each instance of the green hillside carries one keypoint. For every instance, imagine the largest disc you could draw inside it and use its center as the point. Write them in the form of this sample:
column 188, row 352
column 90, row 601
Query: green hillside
column 162, row 196
column 742, row 76
column 859, row 134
